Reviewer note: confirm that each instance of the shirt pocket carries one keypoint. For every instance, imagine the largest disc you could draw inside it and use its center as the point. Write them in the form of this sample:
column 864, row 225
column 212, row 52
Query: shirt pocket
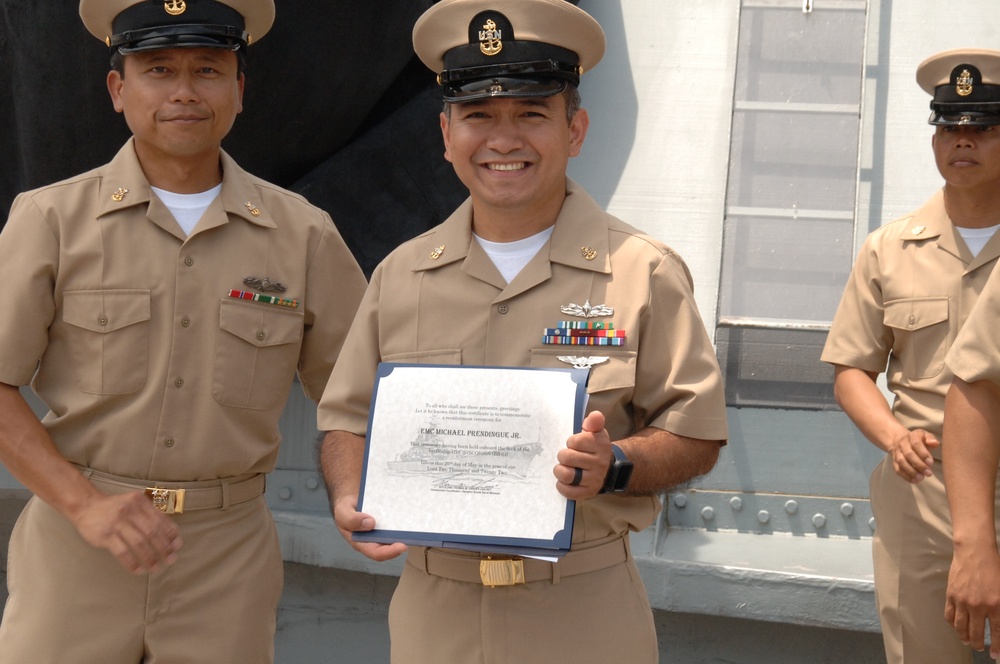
column 612, row 379
column 920, row 330
column 256, row 354
column 610, row 386
column 109, row 342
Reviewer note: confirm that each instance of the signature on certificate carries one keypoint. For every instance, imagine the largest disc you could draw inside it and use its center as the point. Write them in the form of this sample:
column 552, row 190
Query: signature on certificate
column 465, row 484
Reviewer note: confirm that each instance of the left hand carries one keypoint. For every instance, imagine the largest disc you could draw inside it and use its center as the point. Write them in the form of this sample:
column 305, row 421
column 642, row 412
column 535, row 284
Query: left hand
column 911, row 456
column 590, row 451
column 973, row 597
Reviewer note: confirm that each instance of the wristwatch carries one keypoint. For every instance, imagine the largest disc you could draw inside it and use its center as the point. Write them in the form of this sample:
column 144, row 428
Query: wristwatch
column 616, row 481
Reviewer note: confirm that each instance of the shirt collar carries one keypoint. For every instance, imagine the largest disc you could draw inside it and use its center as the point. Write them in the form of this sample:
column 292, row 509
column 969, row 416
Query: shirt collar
column 574, row 243
column 124, row 185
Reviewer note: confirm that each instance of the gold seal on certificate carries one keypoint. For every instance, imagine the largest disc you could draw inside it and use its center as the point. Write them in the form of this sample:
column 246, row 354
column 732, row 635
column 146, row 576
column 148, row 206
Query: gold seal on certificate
column 462, row 456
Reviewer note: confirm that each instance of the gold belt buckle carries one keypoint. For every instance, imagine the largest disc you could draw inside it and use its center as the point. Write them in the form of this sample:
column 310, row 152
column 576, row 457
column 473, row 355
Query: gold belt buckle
column 168, row 501
column 501, row 571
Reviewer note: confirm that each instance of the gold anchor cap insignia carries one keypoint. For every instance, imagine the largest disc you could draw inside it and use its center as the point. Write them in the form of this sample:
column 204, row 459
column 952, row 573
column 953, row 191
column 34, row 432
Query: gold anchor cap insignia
column 436, row 254
column 175, row 7
column 489, row 39
column 963, row 84
column 119, row 194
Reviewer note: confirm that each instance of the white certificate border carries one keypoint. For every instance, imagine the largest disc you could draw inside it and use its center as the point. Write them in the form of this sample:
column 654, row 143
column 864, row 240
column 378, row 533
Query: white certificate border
column 557, row 544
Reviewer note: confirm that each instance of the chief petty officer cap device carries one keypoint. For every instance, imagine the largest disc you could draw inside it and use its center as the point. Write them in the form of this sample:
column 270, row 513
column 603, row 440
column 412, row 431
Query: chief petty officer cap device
column 965, row 86
column 507, row 48
column 130, row 26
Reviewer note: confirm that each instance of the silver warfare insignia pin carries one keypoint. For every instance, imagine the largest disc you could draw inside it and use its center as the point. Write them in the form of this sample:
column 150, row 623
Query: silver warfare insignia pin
column 587, row 310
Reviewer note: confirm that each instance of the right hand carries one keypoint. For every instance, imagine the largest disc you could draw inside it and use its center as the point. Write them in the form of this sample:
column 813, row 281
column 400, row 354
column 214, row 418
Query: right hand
column 350, row 520
column 140, row 537
column 911, row 457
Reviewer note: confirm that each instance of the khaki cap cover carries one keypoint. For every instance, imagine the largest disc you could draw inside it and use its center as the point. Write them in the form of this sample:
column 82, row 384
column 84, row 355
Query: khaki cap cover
column 98, row 15
column 936, row 70
column 446, row 25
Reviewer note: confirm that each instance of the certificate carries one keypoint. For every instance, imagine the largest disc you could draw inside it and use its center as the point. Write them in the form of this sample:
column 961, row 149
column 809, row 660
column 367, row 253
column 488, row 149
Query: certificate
column 462, row 456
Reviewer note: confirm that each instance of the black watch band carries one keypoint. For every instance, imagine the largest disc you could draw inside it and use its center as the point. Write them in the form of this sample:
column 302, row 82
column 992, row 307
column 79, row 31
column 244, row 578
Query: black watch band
column 619, row 472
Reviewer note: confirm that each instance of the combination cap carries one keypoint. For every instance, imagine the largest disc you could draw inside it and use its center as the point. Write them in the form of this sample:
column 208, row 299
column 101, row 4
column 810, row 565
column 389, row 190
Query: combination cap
column 130, row 26
column 965, row 86
column 507, row 48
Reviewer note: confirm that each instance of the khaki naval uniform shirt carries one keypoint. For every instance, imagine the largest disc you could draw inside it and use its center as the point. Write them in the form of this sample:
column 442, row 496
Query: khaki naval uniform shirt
column 126, row 330
column 913, row 285
column 150, row 369
column 440, row 299
column 975, row 355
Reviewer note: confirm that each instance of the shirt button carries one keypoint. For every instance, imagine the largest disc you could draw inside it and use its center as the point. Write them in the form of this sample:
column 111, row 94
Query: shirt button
column 260, row 335
column 185, row 321
column 102, row 320
column 913, row 319
column 179, row 382
column 188, row 261
column 502, row 309
column 169, row 442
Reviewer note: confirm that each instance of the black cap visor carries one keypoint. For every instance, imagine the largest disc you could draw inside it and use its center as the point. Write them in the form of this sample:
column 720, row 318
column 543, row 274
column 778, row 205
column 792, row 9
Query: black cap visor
column 540, row 78
column 502, row 86
column 973, row 115
column 180, row 36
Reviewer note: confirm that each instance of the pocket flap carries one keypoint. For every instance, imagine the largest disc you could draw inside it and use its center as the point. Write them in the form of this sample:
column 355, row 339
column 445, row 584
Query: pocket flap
column 105, row 310
column 916, row 313
column 445, row 356
column 615, row 372
column 260, row 325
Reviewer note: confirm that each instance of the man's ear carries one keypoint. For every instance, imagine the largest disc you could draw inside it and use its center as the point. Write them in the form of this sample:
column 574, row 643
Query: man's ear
column 114, row 82
column 445, row 126
column 240, row 82
column 578, row 131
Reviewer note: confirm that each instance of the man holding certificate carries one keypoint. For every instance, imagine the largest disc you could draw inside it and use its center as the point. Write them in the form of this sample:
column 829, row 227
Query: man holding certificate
column 522, row 274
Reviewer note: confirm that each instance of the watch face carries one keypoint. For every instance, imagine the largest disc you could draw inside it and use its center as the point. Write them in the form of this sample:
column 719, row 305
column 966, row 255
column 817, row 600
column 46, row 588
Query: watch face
column 623, row 475
column 619, row 472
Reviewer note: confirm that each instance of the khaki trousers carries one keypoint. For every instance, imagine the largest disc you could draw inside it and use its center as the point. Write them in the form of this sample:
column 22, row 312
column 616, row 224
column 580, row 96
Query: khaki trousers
column 600, row 616
column 70, row 602
column 912, row 550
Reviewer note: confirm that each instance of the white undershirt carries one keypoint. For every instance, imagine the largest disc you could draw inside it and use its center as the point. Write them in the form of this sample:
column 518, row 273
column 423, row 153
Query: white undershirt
column 188, row 208
column 511, row 257
column 977, row 238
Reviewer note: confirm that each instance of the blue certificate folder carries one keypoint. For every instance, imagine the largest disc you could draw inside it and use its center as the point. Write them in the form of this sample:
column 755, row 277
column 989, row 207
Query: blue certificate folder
column 462, row 457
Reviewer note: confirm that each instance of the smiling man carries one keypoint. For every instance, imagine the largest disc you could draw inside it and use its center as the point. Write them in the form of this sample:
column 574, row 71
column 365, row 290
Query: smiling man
column 160, row 306
column 480, row 289
column 914, row 283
